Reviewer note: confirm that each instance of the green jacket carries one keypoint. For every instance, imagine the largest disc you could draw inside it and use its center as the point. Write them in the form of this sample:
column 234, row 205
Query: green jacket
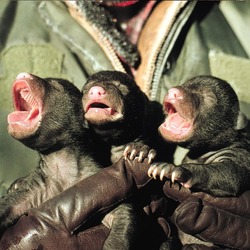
column 179, row 40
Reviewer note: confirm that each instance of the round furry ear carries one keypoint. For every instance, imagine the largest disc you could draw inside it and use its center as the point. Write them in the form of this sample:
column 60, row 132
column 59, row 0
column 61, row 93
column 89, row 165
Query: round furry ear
column 242, row 121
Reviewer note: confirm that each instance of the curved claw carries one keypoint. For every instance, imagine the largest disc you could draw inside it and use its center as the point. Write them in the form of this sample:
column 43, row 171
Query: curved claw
column 146, row 152
column 154, row 173
column 142, row 156
column 126, row 151
column 150, row 171
column 163, row 174
column 156, row 169
column 163, row 170
column 130, row 152
column 151, row 156
column 140, row 151
column 173, row 177
column 182, row 175
column 133, row 154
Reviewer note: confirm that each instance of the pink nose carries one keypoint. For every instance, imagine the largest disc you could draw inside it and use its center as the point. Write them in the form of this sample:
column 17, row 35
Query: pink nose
column 97, row 92
column 174, row 93
column 24, row 75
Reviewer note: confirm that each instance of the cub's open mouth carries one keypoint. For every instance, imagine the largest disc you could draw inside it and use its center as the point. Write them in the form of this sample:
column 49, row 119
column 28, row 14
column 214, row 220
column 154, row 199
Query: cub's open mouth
column 175, row 121
column 26, row 106
column 101, row 111
column 27, row 95
column 98, row 107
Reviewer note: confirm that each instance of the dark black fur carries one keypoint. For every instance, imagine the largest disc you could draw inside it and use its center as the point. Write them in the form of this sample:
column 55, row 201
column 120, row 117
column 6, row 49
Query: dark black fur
column 57, row 136
column 123, row 95
column 66, row 154
column 136, row 125
column 138, row 121
column 218, row 161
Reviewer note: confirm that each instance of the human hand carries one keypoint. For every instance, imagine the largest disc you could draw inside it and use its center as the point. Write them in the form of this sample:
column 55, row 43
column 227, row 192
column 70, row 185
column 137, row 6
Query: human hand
column 56, row 223
column 223, row 221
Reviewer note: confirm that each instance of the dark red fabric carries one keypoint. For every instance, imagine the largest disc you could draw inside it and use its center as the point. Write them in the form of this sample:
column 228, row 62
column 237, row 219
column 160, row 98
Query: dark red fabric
column 123, row 3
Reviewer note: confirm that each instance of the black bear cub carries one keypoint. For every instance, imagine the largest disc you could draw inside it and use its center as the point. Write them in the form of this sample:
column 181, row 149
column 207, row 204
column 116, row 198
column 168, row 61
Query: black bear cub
column 203, row 116
column 49, row 118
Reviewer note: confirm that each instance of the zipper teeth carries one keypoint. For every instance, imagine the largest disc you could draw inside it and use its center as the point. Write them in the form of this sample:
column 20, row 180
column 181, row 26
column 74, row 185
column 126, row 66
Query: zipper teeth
column 166, row 49
column 158, row 53
column 107, row 47
column 166, row 26
column 96, row 34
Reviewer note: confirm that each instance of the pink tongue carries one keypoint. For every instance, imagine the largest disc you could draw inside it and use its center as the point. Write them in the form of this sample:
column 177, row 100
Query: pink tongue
column 18, row 116
column 176, row 124
column 175, row 120
column 25, row 118
column 108, row 111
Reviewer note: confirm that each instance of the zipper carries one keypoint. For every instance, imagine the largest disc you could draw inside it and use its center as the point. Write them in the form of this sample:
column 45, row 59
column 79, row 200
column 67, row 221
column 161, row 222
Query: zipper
column 163, row 26
column 115, row 45
column 168, row 16
column 183, row 15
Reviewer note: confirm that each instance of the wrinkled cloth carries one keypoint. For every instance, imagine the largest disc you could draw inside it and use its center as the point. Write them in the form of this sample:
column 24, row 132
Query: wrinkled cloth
column 223, row 221
column 60, row 223
column 57, row 223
